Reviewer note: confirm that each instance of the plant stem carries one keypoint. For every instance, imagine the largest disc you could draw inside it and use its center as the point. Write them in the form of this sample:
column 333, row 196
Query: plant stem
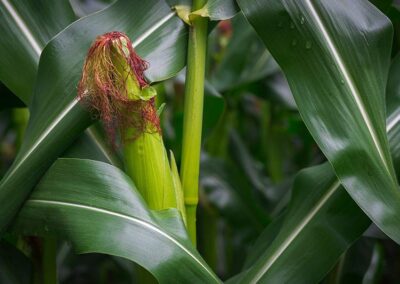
column 49, row 263
column 209, row 235
column 193, row 115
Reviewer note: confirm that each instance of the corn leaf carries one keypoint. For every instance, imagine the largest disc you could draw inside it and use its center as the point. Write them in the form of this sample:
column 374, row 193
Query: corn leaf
column 337, row 68
column 98, row 209
column 56, row 116
column 320, row 217
column 393, row 112
column 26, row 28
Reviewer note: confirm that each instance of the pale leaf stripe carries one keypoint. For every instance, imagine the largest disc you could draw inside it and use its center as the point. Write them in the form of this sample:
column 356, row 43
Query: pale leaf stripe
column 23, row 27
column 138, row 221
column 296, row 231
column 349, row 81
column 72, row 104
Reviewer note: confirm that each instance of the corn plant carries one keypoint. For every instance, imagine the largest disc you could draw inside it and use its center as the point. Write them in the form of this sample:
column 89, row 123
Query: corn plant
column 203, row 141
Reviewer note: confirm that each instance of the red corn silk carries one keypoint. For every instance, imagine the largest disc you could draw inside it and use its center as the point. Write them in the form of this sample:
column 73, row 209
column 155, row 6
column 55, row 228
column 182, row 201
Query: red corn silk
column 102, row 89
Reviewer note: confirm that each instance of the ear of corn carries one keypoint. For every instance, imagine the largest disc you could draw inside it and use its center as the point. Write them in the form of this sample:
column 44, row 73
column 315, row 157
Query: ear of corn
column 147, row 163
column 125, row 95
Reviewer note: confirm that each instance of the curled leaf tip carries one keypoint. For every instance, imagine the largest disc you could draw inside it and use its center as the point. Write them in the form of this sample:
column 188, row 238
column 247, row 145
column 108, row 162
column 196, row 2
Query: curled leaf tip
column 112, row 86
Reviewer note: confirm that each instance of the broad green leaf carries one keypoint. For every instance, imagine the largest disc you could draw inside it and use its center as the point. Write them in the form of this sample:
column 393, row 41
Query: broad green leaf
column 317, row 209
column 26, row 28
column 263, row 241
column 84, row 8
column 218, row 10
column 59, row 17
column 336, row 55
column 93, row 145
column 57, row 118
column 393, row 111
column 321, row 217
column 98, row 209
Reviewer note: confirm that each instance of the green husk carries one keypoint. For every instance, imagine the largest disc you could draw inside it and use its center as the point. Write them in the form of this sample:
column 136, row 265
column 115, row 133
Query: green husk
column 113, row 85
column 146, row 159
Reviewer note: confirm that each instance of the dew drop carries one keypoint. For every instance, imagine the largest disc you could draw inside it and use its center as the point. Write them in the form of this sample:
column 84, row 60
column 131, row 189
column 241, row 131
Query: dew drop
column 308, row 44
column 294, row 42
column 280, row 24
column 342, row 82
column 302, row 20
column 292, row 25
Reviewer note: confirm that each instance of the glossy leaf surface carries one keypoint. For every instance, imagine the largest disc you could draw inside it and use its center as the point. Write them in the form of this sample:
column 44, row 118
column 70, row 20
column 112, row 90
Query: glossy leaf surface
column 98, row 209
column 393, row 112
column 90, row 143
column 319, row 207
column 339, row 92
column 56, row 116
column 320, row 213
column 26, row 28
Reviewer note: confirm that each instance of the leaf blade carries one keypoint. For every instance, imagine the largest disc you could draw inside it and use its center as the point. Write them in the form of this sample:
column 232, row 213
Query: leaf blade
column 342, row 105
column 56, row 117
column 272, row 239
column 109, row 216
column 27, row 27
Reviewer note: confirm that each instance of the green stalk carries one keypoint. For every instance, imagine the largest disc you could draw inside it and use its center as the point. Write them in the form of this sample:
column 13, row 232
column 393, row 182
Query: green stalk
column 49, row 262
column 193, row 115
column 272, row 143
column 208, row 235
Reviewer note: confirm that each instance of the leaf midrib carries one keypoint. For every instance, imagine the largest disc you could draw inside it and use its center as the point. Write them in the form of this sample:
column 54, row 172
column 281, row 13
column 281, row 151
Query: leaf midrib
column 136, row 220
column 73, row 103
column 391, row 122
column 36, row 46
column 296, row 231
column 349, row 81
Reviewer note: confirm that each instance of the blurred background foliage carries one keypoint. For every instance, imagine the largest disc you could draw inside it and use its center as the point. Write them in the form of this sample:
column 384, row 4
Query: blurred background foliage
column 254, row 144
